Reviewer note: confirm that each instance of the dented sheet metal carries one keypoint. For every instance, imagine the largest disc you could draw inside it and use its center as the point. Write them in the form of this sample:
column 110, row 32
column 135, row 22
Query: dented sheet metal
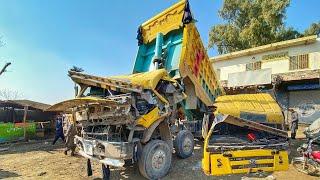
column 235, row 145
column 147, row 80
column 249, row 124
column 65, row 105
column 256, row 107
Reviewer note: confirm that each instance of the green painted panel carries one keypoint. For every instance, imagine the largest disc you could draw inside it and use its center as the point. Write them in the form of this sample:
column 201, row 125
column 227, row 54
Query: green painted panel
column 14, row 131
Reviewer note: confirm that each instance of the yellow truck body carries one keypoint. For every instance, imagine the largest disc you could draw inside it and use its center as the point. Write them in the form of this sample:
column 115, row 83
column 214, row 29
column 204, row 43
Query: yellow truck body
column 228, row 156
column 260, row 107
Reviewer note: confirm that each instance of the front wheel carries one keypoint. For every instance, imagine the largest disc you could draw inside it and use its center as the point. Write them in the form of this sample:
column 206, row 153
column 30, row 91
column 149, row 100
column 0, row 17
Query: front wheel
column 184, row 144
column 155, row 159
column 304, row 166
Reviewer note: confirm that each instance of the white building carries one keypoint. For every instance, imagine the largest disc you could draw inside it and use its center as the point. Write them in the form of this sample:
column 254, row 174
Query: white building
column 293, row 65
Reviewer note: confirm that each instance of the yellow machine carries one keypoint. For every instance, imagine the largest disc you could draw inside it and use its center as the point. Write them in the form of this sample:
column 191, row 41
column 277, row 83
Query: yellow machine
column 238, row 145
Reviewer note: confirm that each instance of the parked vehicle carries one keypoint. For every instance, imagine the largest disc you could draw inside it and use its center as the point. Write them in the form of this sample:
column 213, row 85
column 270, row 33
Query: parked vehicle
column 309, row 162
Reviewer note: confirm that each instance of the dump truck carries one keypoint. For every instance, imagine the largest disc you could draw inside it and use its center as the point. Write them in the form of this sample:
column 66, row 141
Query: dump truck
column 246, row 136
column 156, row 110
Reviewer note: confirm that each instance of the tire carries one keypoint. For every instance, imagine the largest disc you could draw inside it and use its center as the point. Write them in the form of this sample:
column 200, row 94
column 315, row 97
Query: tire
column 152, row 153
column 184, row 144
column 310, row 167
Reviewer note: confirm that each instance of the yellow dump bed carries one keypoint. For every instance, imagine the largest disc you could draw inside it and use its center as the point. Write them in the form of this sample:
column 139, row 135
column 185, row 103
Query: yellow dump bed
column 257, row 107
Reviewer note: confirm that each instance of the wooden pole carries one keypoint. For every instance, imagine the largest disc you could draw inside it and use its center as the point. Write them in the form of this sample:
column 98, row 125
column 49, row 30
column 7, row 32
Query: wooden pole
column 24, row 122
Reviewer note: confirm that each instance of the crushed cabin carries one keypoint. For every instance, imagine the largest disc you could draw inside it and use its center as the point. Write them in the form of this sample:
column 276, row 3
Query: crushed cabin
column 289, row 70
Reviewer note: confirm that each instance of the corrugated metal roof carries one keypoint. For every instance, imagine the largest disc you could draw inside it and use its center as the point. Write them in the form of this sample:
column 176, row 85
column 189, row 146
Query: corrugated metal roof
column 32, row 105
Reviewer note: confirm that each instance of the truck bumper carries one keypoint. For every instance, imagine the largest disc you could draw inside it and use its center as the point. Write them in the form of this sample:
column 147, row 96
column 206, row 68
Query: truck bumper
column 107, row 161
column 108, row 153
column 245, row 161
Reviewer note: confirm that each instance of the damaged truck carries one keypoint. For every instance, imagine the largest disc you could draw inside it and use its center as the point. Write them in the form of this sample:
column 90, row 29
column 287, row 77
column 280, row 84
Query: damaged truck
column 246, row 136
column 158, row 109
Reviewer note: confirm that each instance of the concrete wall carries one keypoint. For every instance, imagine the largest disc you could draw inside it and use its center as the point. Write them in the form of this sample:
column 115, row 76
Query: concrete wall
column 235, row 65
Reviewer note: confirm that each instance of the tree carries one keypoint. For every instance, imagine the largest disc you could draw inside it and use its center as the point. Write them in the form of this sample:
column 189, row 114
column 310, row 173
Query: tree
column 76, row 69
column 8, row 94
column 314, row 29
column 250, row 23
column 1, row 42
column 7, row 64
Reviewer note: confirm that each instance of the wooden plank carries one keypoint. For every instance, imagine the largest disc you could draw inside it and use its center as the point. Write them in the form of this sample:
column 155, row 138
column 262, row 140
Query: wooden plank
column 24, row 122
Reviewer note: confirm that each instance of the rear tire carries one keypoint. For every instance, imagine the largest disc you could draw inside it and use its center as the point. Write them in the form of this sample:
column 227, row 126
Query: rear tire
column 304, row 167
column 155, row 160
column 184, row 144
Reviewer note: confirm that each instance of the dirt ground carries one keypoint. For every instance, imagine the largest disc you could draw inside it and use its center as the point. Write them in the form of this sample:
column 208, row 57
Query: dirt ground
column 41, row 160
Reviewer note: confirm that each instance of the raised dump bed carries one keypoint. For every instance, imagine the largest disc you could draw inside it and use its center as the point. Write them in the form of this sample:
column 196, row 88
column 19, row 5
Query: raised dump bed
column 171, row 41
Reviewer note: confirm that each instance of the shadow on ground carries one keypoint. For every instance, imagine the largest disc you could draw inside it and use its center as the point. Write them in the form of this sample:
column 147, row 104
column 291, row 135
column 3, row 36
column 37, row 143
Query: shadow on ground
column 7, row 174
column 23, row 147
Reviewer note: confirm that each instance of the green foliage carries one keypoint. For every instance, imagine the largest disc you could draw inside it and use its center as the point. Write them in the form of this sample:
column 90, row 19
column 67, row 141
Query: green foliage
column 252, row 23
column 76, row 69
column 314, row 29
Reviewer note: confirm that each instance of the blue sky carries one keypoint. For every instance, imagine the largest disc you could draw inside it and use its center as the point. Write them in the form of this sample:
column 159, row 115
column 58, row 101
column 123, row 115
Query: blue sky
column 43, row 39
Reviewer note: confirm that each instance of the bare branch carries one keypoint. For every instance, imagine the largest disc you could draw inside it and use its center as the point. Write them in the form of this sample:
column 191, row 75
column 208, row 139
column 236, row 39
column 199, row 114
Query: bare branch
column 7, row 94
column 4, row 68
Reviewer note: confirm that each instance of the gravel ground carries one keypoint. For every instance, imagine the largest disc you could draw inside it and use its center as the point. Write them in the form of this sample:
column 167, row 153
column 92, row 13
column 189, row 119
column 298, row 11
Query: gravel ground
column 41, row 160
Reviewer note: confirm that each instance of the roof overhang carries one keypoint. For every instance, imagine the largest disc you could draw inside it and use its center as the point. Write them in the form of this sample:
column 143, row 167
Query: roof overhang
column 265, row 48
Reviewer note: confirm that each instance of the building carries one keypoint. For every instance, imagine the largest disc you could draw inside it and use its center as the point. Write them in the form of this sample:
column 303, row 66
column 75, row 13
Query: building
column 22, row 119
column 289, row 69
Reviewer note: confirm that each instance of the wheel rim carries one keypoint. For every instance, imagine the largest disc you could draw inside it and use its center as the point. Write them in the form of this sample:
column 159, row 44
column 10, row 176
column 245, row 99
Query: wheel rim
column 158, row 160
column 187, row 145
column 303, row 166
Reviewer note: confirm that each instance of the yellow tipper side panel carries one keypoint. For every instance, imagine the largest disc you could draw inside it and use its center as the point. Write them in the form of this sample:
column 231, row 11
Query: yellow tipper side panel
column 164, row 22
column 195, row 64
column 147, row 80
column 262, row 104
column 148, row 119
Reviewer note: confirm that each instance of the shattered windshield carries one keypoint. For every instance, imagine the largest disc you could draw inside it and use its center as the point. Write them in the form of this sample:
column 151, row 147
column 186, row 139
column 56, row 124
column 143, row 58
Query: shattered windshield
column 96, row 92
column 224, row 133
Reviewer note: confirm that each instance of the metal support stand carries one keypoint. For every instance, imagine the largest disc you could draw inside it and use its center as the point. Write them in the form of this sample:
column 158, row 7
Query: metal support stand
column 89, row 168
column 105, row 172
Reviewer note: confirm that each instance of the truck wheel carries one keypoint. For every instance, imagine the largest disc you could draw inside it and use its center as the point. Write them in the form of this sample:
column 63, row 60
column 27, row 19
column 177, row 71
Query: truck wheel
column 155, row 160
column 184, row 144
